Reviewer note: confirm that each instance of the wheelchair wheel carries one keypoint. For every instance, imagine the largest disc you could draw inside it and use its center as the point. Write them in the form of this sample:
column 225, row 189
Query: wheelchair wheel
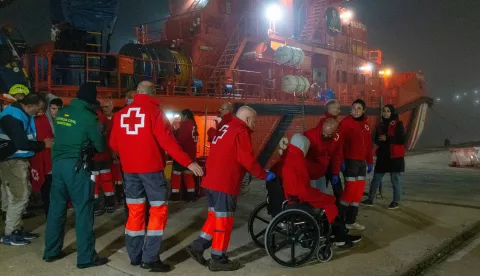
column 324, row 253
column 292, row 238
column 257, row 224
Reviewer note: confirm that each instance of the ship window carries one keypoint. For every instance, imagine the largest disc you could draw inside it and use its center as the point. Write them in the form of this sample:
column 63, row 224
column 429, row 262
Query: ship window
column 344, row 76
column 362, row 79
column 355, row 78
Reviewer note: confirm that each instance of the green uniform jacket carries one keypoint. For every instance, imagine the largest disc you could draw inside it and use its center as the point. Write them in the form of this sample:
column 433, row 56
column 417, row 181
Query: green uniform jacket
column 76, row 126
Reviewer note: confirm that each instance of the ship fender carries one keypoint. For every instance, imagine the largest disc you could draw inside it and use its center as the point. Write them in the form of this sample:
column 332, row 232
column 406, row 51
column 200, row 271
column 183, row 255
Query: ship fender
column 287, row 55
column 295, row 84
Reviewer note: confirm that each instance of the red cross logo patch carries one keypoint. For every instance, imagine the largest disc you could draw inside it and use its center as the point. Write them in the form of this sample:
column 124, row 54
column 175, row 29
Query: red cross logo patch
column 35, row 175
column 132, row 121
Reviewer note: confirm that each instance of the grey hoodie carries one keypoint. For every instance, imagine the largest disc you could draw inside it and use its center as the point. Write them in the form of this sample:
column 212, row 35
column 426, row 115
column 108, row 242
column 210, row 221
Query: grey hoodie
column 301, row 142
column 49, row 98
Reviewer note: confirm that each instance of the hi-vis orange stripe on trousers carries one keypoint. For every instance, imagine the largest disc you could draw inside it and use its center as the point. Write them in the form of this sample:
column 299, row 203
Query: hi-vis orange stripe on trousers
column 355, row 173
column 217, row 229
column 139, row 187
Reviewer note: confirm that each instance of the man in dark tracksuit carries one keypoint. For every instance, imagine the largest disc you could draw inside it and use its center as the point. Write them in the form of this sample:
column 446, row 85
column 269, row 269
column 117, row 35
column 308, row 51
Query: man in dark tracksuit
column 77, row 130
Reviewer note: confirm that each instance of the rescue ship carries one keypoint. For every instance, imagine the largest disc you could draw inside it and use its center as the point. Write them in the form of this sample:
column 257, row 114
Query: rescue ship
column 284, row 58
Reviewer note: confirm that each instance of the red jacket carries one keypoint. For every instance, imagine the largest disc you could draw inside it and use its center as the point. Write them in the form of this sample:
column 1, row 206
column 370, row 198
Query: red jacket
column 41, row 162
column 212, row 131
column 323, row 153
column 357, row 135
column 140, row 135
column 295, row 178
column 397, row 150
column 105, row 155
column 187, row 137
column 231, row 155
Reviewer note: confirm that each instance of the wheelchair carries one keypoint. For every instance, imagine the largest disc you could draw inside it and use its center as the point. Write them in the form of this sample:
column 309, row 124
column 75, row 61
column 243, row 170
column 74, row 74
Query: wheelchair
column 280, row 225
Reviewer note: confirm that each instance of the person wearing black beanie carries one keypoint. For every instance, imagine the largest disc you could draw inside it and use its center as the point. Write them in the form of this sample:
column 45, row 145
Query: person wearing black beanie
column 88, row 93
column 77, row 136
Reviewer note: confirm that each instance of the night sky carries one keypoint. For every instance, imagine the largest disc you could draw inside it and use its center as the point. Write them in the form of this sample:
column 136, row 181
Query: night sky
column 439, row 37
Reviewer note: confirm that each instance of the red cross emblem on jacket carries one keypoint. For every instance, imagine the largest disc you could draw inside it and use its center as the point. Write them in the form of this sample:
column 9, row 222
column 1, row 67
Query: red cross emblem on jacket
column 132, row 121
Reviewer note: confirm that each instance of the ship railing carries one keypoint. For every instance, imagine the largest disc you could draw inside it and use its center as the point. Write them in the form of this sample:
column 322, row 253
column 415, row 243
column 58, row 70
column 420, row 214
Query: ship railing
column 235, row 84
column 62, row 72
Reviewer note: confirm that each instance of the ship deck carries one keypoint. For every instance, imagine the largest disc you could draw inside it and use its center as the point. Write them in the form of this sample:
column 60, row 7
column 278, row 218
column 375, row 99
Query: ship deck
column 440, row 204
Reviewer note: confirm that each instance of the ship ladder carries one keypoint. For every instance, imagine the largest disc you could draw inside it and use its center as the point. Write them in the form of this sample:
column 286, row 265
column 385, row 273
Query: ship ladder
column 229, row 56
column 315, row 21
column 93, row 60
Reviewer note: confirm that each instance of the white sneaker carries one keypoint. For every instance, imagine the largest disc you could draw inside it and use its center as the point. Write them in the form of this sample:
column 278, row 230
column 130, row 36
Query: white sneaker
column 355, row 226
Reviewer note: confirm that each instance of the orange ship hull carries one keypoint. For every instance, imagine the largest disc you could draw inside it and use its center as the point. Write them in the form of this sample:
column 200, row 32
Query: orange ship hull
column 217, row 51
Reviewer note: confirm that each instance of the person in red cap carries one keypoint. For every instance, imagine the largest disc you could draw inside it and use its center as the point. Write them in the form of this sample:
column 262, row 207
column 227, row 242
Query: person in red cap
column 140, row 135
column 358, row 155
column 230, row 157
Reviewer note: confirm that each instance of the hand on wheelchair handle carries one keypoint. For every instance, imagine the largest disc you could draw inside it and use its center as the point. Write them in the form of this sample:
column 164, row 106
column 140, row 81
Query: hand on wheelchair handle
column 270, row 176
column 369, row 168
column 335, row 179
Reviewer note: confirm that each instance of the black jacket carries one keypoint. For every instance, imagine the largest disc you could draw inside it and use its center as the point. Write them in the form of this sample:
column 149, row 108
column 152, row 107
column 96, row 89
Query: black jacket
column 385, row 163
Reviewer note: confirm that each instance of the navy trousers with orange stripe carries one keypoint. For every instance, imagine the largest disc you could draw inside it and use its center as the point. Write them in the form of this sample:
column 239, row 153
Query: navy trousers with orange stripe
column 139, row 187
column 176, row 183
column 218, row 228
column 182, row 175
column 355, row 173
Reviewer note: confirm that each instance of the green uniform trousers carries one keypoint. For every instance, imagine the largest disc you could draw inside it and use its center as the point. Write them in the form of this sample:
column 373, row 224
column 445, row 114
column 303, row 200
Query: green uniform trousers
column 76, row 186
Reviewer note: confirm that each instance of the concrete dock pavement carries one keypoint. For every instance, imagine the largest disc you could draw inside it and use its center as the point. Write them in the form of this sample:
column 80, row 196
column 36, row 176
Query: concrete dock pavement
column 439, row 204
column 464, row 261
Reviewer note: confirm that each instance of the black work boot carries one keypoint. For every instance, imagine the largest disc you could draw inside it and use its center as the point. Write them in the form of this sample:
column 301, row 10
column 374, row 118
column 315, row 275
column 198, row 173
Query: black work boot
column 196, row 254
column 119, row 193
column 110, row 203
column 222, row 263
column 97, row 262
column 98, row 209
column 190, row 197
column 342, row 212
column 157, row 266
column 55, row 258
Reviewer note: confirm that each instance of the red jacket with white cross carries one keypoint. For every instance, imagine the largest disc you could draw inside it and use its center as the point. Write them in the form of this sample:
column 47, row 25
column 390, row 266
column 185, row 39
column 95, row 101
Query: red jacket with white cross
column 231, row 156
column 140, row 135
